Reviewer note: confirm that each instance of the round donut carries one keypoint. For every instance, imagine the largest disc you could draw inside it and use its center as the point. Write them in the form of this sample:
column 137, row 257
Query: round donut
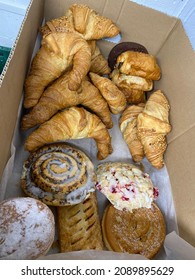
column 27, row 228
column 58, row 174
column 139, row 232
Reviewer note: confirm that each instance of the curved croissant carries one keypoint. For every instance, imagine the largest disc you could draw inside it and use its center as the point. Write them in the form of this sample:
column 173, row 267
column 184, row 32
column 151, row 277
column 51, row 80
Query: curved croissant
column 58, row 52
column 153, row 126
column 128, row 127
column 115, row 98
column 90, row 24
column 58, row 97
column 72, row 123
column 99, row 64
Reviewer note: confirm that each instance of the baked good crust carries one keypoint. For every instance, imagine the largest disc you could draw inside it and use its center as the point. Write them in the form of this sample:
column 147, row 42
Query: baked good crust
column 140, row 232
column 27, row 228
column 58, row 174
column 79, row 226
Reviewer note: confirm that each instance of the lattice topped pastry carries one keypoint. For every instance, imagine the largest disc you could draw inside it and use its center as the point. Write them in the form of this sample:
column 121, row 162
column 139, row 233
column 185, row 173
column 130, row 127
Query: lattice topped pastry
column 58, row 174
column 139, row 232
column 79, row 226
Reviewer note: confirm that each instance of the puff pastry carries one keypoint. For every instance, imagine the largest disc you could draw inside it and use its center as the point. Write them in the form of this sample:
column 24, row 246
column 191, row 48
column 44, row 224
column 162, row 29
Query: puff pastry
column 90, row 24
column 138, row 64
column 72, row 123
column 133, row 87
column 115, row 98
column 140, row 232
column 58, row 52
column 58, row 97
column 99, row 64
column 84, row 21
column 79, row 226
column 153, row 126
column 128, row 127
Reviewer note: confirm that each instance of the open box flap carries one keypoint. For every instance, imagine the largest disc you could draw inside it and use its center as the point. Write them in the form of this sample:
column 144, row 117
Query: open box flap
column 177, row 60
column 12, row 84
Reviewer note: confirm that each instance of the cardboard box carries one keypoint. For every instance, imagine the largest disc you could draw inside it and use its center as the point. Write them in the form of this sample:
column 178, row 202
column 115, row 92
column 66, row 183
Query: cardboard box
column 165, row 38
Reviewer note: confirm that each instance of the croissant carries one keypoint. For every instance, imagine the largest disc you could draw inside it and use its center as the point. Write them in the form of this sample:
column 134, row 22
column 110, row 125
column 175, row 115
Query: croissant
column 153, row 126
column 61, row 24
column 58, row 97
column 138, row 64
column 128, row 127
column 99, row 64
column 115, row 98
column 90, row 24
column 91, row 98
column 72, row 123
column 58, row 52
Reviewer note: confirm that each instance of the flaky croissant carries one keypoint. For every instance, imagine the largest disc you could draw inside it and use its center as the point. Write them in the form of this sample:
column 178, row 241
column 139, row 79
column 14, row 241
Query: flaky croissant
column 58, row 52
column 72, row 123
column 99, row 64
column 60, row 24
column 138, row 64
column 153, row 126
column 128, row 127
column 115, row 98
column 90, row 24
column 58, row 97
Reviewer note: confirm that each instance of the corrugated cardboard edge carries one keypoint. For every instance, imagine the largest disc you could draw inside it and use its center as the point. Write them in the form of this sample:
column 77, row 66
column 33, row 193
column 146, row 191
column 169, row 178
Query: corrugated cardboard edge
column 12, row 84
column 180, row 154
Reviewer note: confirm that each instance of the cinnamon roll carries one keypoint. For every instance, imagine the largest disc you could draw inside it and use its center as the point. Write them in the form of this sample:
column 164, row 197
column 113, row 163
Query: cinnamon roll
column 139, row 232
column 58, row 174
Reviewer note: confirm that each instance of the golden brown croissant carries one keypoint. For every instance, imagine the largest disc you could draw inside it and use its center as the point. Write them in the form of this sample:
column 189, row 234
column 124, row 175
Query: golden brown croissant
column 79, row 226
column 115, row 98
column 128, row 127
column 138, row 64
column 58, row 97
column 99, row 64
column 61, row 24
column 153, row 126
column 72, row 123
column 91, row 98
column 58, row 52
column 90, row 24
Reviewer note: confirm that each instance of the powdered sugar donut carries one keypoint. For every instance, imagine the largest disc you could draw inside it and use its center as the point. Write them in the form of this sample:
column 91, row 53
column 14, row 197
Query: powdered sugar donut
column 26, row 228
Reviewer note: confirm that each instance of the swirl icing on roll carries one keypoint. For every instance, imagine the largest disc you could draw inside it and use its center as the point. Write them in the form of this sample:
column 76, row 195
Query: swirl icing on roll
column 125, row 185
column 58, row 174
